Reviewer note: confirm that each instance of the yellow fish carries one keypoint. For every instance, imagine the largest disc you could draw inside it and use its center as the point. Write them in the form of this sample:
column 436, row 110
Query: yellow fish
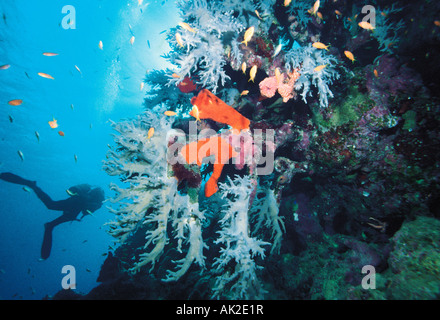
column 248, row 35
column 278, row 75
column 243, row 67
column 349, row 55
column 186, row 26
column 244, row 93
column 319, row 68
column 252, row 73
column 15, row 102
column 50, row 54
column 170, row 113
column 365, row 25
column 179, row 39
column 53, row 124
column 258, row 15
column 315, row 8
column 320, row 45
column 195, row 113
column 45, row 75
column 150, row 133
column 287, row 2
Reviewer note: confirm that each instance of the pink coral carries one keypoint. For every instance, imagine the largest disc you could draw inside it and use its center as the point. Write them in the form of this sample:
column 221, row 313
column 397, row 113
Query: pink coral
column 270, row 85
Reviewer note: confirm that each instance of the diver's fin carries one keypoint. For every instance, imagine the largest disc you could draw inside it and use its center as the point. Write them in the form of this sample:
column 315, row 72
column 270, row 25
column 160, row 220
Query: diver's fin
column 47, row 243
column 13, row 178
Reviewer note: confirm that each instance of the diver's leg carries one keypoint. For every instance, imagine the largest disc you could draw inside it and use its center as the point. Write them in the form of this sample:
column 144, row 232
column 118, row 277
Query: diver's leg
column 43, row 196
column 47, row 239
column 13, row 178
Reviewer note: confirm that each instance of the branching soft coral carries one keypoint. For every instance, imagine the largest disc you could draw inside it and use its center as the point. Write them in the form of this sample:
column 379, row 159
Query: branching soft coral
column 306, row 59
column 151, row 197
column 238, row 247
column 202, row 53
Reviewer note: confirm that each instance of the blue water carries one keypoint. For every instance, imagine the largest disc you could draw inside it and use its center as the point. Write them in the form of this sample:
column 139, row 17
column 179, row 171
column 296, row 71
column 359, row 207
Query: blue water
column 108, row 87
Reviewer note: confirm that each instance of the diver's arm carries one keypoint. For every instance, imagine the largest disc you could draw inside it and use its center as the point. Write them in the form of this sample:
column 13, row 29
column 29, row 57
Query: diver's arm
column 61, row 205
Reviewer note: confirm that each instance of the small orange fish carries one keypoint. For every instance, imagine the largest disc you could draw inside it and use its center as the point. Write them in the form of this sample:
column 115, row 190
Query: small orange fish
column 252, row 73
column 349, row 55
column 141, row 87
column 278, row 75
column 319, row 68
column 437, row 23
column 319, row 45
column 258, row 15
column 179, row 39
column 100, row 45
column 5, row 66
column 338, row 12
column 50, row 54
column 53, row 124
column 376, row 74
column 195, row 113
column 61, row 133
column 150, row 133
column 319, row 15
column 186, row 26
column 287, row 2
column 365, row 25
column 132, row 40
column 45, row 75
column 175, row 75
column 15, row 102
column 170, row 113
column 244, row 93
column 313, row 10
column 248, row 35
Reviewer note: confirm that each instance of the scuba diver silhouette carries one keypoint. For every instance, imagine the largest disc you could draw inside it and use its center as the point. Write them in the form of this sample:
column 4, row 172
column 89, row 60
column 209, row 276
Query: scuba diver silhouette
column 83, row 199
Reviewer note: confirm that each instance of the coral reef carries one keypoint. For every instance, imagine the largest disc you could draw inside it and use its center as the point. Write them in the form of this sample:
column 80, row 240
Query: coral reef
column 313, row 189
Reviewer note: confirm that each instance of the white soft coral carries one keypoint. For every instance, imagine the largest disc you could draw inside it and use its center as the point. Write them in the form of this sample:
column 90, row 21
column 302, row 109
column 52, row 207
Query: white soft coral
column 239, row 248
